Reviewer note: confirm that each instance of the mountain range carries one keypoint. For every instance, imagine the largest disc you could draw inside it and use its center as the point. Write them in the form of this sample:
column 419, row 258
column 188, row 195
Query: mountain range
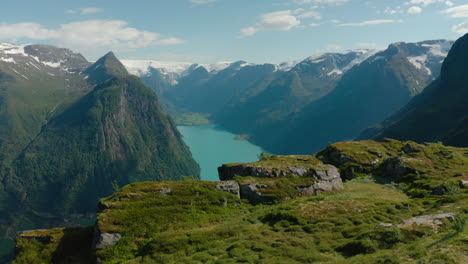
column 298, row 107
column 440, row 112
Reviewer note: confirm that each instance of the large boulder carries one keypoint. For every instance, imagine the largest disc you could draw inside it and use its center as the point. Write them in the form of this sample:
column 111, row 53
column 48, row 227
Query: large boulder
column 103, row 240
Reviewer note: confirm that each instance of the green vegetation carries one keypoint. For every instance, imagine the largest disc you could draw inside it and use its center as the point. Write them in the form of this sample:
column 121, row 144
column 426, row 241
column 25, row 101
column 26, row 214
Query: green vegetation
column 61, row 246
column 68, row 140
column 419, row 168
column 191, row 119
column 193, row 222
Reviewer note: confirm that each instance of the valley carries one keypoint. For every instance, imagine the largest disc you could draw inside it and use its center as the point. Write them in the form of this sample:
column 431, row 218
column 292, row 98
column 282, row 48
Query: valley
column 343, row 156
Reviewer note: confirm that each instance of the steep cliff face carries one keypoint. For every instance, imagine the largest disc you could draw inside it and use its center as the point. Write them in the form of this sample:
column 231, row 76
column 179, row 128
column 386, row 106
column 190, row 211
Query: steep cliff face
column 439, row 113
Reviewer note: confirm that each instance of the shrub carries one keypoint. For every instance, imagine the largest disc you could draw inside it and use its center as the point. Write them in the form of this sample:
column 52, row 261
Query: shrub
column 459, row 223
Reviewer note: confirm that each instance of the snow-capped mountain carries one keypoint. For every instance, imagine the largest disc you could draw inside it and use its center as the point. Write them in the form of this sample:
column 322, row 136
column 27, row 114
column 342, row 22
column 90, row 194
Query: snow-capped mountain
column 22, row 59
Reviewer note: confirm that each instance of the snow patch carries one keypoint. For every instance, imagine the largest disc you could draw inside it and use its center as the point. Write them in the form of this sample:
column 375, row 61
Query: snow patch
column 7, row 48
column 20, row 74
column 420, row 63
column 11, row 60
column 335, row 71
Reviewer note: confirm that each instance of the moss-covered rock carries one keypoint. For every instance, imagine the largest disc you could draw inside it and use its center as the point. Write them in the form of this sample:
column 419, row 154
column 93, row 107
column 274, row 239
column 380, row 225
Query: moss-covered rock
column 282, row 177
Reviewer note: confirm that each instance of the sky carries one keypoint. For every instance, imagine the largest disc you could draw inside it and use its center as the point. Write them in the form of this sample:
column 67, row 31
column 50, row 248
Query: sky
column 208, row 31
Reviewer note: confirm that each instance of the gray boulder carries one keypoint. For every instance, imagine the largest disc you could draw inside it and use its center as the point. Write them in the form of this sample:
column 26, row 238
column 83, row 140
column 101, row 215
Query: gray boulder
column 229, row 186
column 104, row 240
column 253, row 193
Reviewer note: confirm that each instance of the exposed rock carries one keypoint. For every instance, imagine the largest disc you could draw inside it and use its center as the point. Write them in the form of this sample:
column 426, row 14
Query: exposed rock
column 385, row 225
column 105, row 240
column 328, row 179
column 252, row 193
column 334, row 156
column 396, row 168
column 439, row 190
column 229, row 173
column 434, row 221
column 103, row 206
column 165, row 191
column 229, row 186
column 431, row 220
column 317, row 178
column 30, row 235
column 408, row 148
column 463, row 184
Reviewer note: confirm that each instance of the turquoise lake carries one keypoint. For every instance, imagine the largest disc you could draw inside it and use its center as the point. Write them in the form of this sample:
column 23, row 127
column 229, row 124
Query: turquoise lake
column 212, row 147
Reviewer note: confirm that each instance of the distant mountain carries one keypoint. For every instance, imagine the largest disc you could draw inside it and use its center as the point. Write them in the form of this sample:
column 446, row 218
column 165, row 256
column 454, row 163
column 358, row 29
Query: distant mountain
column 220, row 88
column 440, row 113
column 269, row 101
column 366, row 94
column 72, row 132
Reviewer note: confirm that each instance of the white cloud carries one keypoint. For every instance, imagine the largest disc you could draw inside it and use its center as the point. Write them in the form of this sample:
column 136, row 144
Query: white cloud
column 26, row 30
column 314, row 25
column 310, row 14
column 248, row 31
column 334, row 21
column 89, row 35
column 429, row 2
column 414, row 10
column 281, row 20
column 84, row 11
column 457, row 11
column 422, row 2
column 461, row 28
column 202, row 1
column 369, row 22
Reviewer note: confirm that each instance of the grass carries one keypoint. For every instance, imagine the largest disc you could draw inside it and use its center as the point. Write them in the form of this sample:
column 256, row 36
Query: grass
column 192, row 119
column 196, row 223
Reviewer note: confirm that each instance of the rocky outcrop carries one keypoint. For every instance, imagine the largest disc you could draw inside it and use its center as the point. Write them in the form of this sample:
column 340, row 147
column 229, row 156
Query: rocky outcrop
column 253, row 193
column 463, row 184
column 104, row 240
column 229, row 186
column 435, row 221
column 281, row 177
column 396, row 168
column 327, row 180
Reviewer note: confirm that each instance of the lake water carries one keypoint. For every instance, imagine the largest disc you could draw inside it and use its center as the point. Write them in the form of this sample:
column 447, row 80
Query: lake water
column 212, row 147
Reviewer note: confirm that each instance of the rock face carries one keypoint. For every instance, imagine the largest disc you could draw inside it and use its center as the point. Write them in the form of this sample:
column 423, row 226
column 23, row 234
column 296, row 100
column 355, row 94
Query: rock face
column 253, row 193
column 463, row 184
column 395, row 168
column 105, row 240
column 229, row 186
column 434, row 221
column 281, row 177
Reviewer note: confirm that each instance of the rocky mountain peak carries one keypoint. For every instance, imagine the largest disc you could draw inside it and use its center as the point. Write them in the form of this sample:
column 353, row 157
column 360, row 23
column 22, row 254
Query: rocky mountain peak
column 105, row 68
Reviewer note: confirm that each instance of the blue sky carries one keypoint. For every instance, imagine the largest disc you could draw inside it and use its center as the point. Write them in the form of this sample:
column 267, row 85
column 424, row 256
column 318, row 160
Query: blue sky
column 207, row 31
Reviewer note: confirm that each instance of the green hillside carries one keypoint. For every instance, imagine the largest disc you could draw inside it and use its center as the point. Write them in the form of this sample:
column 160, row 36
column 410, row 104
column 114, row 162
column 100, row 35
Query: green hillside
column 378, row 217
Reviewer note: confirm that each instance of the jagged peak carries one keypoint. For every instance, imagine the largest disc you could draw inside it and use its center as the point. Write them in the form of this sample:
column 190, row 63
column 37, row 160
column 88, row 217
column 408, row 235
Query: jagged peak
column 106, row 67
